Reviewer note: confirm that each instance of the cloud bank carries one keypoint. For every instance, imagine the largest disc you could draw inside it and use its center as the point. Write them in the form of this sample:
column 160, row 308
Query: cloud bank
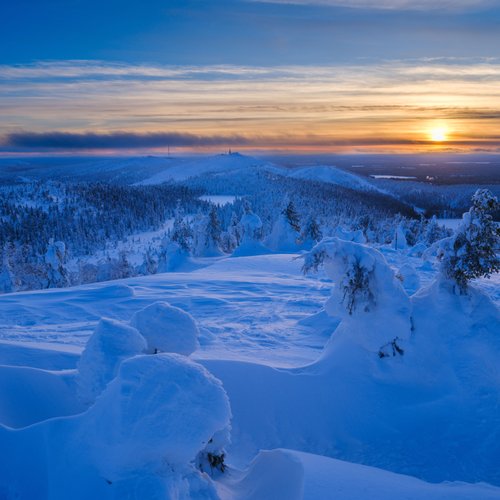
column 91, row 105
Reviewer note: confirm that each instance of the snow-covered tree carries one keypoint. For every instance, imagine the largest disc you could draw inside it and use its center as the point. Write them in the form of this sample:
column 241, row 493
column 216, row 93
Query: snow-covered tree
column 213, row 232
column 373, row 307
column 231, row 238
column 399, row 241
column 472, row 251
column 285, row 235
column 250, row 228
column 6, row 275
column 181, row 231
column 206, row 235
column 55, row 258
column 311, row 232
column 292, row 216
column 433, row 231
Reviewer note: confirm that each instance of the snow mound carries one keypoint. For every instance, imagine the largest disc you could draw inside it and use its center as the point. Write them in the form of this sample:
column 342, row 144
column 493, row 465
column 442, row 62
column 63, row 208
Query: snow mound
column 291, row 475
column 166, row 329
column 30, row 395
column 163, row 408
column 409, row 277
column 110, row 344
column 139, row 440
column 118, row 290
column 356, row 236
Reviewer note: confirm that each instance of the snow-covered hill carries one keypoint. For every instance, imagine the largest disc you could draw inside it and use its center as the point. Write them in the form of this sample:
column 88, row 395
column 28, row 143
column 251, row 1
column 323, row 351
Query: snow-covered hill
column 219, row 164
column 333, row 175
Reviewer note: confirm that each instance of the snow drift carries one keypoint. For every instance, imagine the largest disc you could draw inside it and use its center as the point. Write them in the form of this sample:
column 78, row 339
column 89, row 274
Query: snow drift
column 137, row 441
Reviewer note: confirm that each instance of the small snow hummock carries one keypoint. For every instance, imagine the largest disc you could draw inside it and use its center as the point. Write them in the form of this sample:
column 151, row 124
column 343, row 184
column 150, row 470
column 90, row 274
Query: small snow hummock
column 409, row 277
column 110, row 344
column 166, row 329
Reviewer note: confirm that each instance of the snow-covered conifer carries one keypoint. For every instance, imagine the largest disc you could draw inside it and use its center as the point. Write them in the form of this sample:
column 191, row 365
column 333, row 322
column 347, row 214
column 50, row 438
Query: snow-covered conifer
column 311, row 232
column 181, row 231
column 291, row 216
column 55, row 258
column 472, row 251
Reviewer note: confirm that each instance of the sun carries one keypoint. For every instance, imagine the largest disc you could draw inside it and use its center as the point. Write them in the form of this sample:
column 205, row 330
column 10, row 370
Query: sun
column 438, row 134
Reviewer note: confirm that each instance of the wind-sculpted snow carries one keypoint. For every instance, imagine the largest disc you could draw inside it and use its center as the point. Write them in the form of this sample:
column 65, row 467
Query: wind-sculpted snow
column 418, row 406
column 109, row 345
column 291, row 475
column 138, row 441
column 167, row 329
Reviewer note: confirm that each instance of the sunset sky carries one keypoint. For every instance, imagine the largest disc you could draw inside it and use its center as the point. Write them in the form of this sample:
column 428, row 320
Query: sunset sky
column 204, row 75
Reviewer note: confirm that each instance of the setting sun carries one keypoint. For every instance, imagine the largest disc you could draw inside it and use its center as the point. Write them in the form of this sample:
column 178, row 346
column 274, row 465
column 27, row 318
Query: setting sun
column 438, row 134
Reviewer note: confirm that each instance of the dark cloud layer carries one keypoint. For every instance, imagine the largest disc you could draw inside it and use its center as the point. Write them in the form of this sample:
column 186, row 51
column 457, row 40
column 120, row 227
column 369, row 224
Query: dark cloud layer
column 114, row 140
column 62, row 141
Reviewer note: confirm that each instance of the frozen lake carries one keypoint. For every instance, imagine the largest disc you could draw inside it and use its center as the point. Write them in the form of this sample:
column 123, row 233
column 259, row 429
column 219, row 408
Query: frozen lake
column 219, row 199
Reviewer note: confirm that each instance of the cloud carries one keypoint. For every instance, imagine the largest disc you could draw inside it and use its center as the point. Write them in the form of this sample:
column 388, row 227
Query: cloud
column 114, row 140
column 28, row 141
column 423, row 5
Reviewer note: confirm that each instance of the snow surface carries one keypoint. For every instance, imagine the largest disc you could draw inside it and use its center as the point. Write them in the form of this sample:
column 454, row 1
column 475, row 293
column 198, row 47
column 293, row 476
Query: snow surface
column 291, row 475
column 363, row 424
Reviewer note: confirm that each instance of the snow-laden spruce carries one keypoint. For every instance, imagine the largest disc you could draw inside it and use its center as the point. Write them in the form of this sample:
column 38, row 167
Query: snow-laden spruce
column 285, row 235
column 472, row 251
column 374, row 309
column 250, row 232
column 166, row 329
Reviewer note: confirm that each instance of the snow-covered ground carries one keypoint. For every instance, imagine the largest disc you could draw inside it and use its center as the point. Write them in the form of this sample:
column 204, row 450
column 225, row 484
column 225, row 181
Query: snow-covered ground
column 262, row 329
column 246, row 307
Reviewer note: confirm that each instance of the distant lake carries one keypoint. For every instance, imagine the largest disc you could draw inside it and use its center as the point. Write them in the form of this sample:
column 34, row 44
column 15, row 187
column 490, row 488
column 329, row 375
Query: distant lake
column 219, row 199
column 396, row 177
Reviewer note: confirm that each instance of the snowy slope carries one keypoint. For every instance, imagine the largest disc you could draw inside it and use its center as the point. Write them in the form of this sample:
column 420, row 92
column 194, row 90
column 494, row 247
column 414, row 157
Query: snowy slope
column 114, row 169
column 333, row 175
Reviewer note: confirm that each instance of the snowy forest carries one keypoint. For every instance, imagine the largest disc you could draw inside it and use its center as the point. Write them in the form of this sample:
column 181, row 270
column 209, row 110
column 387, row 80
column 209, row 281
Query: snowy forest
column 60, row 232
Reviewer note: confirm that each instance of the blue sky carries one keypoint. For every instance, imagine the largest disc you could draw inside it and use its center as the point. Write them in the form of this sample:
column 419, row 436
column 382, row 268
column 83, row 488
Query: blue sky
column 244, row 32
column 390, row 70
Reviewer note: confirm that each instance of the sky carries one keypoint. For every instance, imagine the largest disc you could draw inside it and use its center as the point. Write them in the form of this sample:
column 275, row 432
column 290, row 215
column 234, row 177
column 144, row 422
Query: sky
column 253, row 75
